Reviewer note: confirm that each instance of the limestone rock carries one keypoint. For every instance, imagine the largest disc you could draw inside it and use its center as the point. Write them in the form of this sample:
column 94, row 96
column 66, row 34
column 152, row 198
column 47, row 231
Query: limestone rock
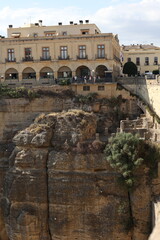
column 59, row 185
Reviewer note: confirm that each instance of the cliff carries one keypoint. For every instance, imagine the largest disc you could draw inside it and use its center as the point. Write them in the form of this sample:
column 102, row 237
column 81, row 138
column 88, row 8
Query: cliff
column 58, row 185
column 56, row 182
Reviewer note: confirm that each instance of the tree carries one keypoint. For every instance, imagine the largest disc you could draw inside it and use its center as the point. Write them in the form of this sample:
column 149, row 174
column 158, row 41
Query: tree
column 122, row 153
column 155, row 71
column 130, row 68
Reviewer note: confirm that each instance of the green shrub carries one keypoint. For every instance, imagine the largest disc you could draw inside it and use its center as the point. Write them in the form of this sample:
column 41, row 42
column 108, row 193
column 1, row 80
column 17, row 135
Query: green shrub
column 64, row 82
column 155, row 71
column 122, row 153
column 89, row 98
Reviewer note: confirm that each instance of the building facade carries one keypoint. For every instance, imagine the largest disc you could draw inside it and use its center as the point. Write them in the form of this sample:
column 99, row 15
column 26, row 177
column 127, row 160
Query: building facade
column 36, row 53
column 146, row 57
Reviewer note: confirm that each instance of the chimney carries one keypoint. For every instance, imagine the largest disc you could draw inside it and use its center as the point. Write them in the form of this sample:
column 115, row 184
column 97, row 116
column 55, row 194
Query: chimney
column 10, row 26
column 40, row 23
column 87, row 21
column 80, row 21
column 71, row 22
column 60, row 23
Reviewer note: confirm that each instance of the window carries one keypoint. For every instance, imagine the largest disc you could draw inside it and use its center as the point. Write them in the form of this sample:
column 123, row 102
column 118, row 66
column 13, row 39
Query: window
column 64, row 33
column 28, row 53
column 85, row 31
column 45, row 53
column 101, row 51
column 82, row 52
column 50, row 34
column 146, row 61
column 137, row 61
column 155, row 60
column 129, row 60
column 86, row 88
column 63, row 52
column 11, row 57
column 35, row 34
column 100, row 88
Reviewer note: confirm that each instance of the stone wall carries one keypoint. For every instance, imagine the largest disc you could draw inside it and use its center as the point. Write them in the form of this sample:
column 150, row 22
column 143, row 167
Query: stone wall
column 147, row 89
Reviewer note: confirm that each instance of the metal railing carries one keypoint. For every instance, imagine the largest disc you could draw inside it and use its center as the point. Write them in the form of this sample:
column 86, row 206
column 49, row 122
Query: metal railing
column 82, row 57
column 27, row 59
column 63, row 58
column 10, row 60
column 101, row 56
column 45, row 58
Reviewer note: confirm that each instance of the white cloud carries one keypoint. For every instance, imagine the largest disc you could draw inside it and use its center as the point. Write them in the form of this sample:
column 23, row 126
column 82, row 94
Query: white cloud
column 133, row 22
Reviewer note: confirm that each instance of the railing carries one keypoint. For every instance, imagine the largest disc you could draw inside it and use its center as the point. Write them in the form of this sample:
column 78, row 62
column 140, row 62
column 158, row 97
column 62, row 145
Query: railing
column 10, row 60
column 101, row 56
column 45, row 58
column 63, row 58
column 82, row 57
column 117, row 58
column 27, row 59
column 91, row 80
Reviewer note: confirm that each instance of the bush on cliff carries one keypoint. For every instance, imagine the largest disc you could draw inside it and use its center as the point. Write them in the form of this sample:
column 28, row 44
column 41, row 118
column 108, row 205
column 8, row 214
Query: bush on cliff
column 18, row 92
column 122, row 153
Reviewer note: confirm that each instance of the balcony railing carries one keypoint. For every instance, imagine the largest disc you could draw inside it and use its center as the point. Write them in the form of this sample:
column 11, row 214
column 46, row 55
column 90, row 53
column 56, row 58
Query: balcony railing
column 27, row 59
column 101, row 56
column 63, row 58
column 146, row 63
column 82, row 57
column 45, row 58
column 10, row 60
column 155, row 63
column 117, row 58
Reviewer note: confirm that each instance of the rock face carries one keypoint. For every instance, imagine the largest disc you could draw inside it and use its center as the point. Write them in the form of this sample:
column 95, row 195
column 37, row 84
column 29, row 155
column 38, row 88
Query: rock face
column 59, row 186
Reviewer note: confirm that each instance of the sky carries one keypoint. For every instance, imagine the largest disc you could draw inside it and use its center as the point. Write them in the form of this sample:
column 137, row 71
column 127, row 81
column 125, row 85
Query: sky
column 135, row 21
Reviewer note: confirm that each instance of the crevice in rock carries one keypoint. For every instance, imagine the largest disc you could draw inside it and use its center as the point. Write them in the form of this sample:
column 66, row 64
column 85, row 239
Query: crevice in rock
column 47, row 183
column 131, row 215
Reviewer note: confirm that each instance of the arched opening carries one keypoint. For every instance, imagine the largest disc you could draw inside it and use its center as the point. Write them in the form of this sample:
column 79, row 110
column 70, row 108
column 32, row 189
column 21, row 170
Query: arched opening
column 103, row 74
column 46, row 73
column 83, row 72
column 28, row 73
column 11, row 74
column 64, row 72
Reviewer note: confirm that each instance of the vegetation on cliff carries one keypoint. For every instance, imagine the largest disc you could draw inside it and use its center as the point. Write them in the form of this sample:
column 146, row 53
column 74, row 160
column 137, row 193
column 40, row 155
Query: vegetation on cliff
column 125, row 152
column 122, row 153
column 22, row 92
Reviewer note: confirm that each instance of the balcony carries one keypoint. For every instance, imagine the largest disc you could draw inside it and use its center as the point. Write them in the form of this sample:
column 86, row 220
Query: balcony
column 155, row 63
column 116, row 58
column 45, row 58
column 146, row 63
column 27, row 59
column 82, row 57
column 10, row 60
column 63, row 58
column 101, row 56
